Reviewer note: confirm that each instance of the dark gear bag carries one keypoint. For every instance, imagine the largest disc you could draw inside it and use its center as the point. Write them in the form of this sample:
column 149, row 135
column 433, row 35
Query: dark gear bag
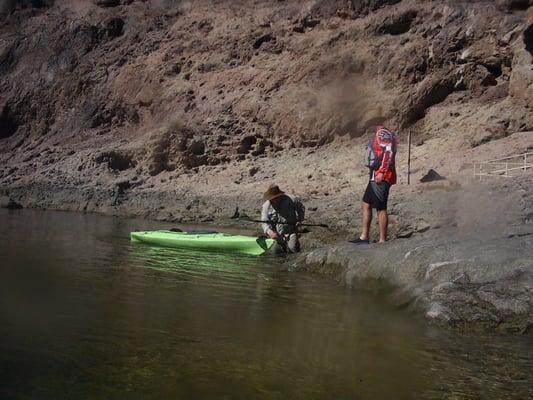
column 370, row 158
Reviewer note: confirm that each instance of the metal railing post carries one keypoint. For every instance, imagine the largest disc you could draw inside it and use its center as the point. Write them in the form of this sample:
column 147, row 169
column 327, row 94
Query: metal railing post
column 409, row 158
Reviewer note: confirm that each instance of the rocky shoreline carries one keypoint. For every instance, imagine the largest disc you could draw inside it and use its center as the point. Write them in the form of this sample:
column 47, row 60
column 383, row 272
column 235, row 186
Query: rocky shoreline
column 460, row 282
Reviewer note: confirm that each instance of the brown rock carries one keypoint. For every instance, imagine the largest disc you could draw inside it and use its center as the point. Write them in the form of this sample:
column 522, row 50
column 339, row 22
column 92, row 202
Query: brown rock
column 197, row 148
column 115, row 160
column 431, row 176
column 253, row 171
column 114, row 27
column 8, row 123
column 246, row 144
column 521, row 82
column 431, row 91
column 395, row 24
column 263, row 39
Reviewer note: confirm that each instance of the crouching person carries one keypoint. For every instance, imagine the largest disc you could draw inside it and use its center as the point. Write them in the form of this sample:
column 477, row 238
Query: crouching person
column 281, row 213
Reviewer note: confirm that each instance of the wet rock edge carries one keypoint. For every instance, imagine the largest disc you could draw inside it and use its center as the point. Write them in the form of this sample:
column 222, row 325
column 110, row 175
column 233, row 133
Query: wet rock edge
column 459, row 282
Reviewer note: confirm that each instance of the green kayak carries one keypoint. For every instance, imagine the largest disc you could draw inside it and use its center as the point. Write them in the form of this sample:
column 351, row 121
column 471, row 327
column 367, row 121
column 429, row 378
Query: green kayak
column 205, row 241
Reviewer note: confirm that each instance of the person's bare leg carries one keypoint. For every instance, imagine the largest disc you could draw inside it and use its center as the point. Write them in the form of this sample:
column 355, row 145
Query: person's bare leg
column 383, row 220
column 367, row 220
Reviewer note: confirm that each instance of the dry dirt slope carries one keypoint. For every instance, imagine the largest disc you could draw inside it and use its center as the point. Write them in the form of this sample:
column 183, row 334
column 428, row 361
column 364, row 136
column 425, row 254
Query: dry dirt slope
column 180, row 109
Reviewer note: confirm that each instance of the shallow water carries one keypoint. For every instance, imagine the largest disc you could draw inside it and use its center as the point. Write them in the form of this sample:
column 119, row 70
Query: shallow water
column 85, row 314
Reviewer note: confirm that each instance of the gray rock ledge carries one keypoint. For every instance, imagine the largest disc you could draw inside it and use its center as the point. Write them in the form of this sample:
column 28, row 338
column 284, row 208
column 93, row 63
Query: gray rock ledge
column 456, row 280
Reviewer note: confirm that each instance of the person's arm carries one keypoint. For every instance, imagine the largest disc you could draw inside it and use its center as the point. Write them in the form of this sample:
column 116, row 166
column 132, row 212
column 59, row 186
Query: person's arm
column 386, row 160
column 300, row 210
column 264, row 217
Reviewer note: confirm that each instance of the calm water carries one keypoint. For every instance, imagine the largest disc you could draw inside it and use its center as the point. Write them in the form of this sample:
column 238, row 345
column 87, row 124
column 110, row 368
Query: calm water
column 84, row 314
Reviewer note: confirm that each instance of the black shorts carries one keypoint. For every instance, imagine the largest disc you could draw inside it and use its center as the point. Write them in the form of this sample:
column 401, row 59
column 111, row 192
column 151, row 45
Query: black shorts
column 377, row 194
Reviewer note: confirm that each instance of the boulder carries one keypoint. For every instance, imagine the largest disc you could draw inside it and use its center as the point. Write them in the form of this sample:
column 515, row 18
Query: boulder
column 431, row 91
column 304, row 23
column 475, row 77
column 197, row 148
column 246, row 144
column 116, row 160
column 396, row 24
column 521, row 82
column 432, row 176
column 113, row 28
column 263, row 39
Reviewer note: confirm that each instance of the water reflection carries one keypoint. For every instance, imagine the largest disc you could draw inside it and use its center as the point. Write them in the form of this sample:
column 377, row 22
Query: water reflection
column 84, row 313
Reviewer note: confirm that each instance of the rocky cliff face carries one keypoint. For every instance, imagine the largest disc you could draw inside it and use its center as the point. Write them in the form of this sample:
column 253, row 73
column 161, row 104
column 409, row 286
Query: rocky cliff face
column 128, row 95
column 139, row 97
column 161, row 107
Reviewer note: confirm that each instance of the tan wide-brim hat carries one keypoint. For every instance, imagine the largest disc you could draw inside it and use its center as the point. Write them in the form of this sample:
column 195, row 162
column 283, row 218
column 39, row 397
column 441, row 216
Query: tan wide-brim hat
column 272, row 192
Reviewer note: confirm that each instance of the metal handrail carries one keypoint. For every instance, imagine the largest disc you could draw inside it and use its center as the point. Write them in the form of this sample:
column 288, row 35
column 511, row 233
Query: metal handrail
column 503, row 163
column 512, row 169
column 522, row 166
column 506, row 158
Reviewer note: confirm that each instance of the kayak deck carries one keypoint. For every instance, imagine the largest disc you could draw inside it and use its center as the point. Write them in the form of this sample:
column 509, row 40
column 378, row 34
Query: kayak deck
column 205, row 241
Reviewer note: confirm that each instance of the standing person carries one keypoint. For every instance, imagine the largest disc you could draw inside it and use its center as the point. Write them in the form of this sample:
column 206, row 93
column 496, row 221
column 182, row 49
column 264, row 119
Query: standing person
column 379, row 158
column 281, row 213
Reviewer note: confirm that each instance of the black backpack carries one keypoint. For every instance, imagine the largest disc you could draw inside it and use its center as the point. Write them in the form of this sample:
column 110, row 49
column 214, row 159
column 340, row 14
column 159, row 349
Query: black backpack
column 370, row 158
